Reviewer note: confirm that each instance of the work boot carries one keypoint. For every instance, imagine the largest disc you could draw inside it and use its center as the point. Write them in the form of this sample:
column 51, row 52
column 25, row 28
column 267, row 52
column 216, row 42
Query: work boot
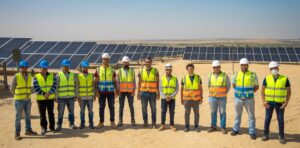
column 253, row 136
column 197, row 129
column 58, row 128
column 173, row 128
column 133, row 123
column 82, row 126
column 30, row 133
column 162, row 127
column 234, row 133
column 17, row 136
column 153, row 126
column 145, row 125
column 113, row 125
column 100, row 125
column 282, row 140
column 91, row 126
column 120, row 124
column 224, row 131
column 72, row 126
column 44, row 131
column 265, row 138
column 212, row 129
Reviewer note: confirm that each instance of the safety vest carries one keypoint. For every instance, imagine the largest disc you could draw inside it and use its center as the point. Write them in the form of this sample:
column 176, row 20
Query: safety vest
column 86, row 88
column 45, row 85
column 105, row 83
column 23, row 89
column 276, row 91
column 217, row 85
column 126, row 80
column 244, row 85
column 169, row 87
column 66, row 87
column 149, row 82
column 191, row 89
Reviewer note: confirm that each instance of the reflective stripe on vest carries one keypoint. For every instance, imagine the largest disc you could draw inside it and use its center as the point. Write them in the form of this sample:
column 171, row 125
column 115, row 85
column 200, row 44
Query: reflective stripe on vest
column 105, row 83
column 169, row 87
column 191, row 90
column 23, row 89
column 217, row 85
column 149, row 82
column 66, row 87
column 244, row 85
column 45, row 85
column 276, row 91
column 126, row 80
column 85, row 84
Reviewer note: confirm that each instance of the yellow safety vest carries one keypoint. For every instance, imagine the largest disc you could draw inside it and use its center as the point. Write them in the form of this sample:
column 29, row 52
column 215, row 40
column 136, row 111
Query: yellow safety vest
column 106, row 83
column 276, row 91
column 86, row 88
column 45, row 85
column 169, row 87
column 244, row 85
column 217, row 85
column 191, row 90
column 23, row 89
column 66, row 87
column 148, row 83
column 126, row 81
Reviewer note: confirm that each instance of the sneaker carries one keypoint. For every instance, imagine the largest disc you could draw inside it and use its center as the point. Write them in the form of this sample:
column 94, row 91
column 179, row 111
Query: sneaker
column 153, row 126
column 265, row 138
column 162, row 127
column 197, row 129
column 253, row 136
column 224, row 131
column 72, row 126
column 133, row 123
column 18, row 137
column 120, row 124
column 52, row 130
column 58, row 128
column 145, row 125
column 212, row 129
column 234, row 133
column 100, row 125
column 30, row 133
column 113, row 125
column 82, row 126
column 44, row 131
column 282, row 140
column 173, row 128
column 91, row 126
column 186, row 129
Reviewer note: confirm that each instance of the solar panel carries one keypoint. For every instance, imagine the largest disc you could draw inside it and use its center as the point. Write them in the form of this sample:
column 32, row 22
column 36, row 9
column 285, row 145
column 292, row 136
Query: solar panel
column 154, row 49
column 100, row 48
column 59, row 47
column 115, row 58
column 233, row 54
column 136, row 57
column 151, row 55
column 93, row 58
column 194, row 56
column 132, row 49
column 33, row 59
column 48, row 57
column 120, row 49
column 33, row 47
column 210, row 56
column 258, row 57
column 225, row 57
column 76, row 60
column 110, row 49
column 218, row 50
column 3, row 41
column 187, row 56
column 11, row 63
column 217, row 57
column 210, row 50
column 140, row 49
column 85, row 48
column 294, row 58
column 15, row 43
column 46, row 47
column 56, row 64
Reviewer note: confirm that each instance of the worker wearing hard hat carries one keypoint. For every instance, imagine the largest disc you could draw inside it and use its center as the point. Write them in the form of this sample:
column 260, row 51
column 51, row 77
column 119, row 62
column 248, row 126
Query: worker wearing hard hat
column 219, row 86
column 106, row 81
column 276, row 93
column 245, row 84
column 127, row 86
column 191, row 96
column 168, row 88
column 148, row 91
column 65, row 94
column 21, row 88
column 86, row 94
column 44, row 84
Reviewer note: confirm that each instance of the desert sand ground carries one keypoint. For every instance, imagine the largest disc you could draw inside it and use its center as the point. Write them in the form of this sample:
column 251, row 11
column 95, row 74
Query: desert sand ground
column 145, row 137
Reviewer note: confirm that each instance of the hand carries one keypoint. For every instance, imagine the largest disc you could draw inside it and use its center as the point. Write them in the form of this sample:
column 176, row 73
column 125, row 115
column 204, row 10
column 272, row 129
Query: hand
column 133, row 94
column 94, row 98
column 98, row 94
column 200, row 102
column 46, row 95
column 157, row 97
column 283, row 106
column 265, row 104
column 182, row 102
column 75, row 99
column 168, row 98
column 56, row 100
column 138, row 96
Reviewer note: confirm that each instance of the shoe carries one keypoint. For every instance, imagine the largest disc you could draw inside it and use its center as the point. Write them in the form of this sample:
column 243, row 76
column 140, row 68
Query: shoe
column 153, row 126
column 173, row 128
column 162, row 127
column 145, row 125
column 91, row 126
column 120, row 124
column 265, row 138
column 186, row 129
column 100, row 125
column 282, row 140
column 253, row 136
column 133, row 123
column 72, row 126
column 212, row 129
column 113, row 125
column 197, row 129
column 234, row 133
column 82, row 126
column 18, row 137
column 44, row 131
column 30, row 133
column 224, row 131
column 58, row 128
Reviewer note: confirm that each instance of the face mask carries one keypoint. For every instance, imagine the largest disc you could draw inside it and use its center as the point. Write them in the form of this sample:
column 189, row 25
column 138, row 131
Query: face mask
column 275, row 72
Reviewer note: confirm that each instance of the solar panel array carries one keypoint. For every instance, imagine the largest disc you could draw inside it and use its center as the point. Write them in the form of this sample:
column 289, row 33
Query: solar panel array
column 7, row 45
column 259, row 54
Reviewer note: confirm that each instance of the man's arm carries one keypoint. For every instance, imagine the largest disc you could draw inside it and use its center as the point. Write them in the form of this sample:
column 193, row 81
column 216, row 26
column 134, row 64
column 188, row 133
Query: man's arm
column 13, row 85
column 176, row 91
column 53, row 88
column 228, row 84
column 161, row 90
column 37, row 88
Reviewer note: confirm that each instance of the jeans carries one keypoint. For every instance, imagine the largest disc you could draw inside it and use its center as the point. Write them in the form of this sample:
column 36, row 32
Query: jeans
column 249, row 105
column 280, row 118
column 218, row 104
column 20, row 106
column 49, row 106
column 89, row 105
column 188, row 105
column 130, row 103
column 164, row 107
column 62, row 102
column 111, row 105
column 151, row 98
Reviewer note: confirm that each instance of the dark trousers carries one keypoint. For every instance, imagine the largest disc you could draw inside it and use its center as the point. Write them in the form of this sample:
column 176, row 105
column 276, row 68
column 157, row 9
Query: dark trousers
column 280, row 118
column 122, row 102
column 151, row 98
column 164, row 107
column 111, row 105
column 48, row 105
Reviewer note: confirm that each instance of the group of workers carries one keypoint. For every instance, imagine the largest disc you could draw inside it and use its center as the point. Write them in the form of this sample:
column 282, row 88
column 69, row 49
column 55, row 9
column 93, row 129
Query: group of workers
column 66, row 88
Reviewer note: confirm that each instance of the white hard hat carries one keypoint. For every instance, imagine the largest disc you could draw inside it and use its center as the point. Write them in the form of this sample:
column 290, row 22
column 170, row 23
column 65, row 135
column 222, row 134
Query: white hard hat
column 168, row 66
column 105, row 55
column 216, row 63
column 125, row 59
column 244, row 61
column 273, row 64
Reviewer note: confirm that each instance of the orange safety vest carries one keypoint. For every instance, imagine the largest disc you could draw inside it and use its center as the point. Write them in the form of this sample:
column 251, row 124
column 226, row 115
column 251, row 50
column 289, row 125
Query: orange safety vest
column 191, row 90
column 217, row 85
column 149, row 82
column 126, row 81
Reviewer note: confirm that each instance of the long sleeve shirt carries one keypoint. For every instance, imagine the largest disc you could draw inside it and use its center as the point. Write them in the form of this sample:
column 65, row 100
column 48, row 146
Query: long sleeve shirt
column 228, row 83
column 38, row 89
column 75, row 83
column 14, row 84
column 162, row 95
